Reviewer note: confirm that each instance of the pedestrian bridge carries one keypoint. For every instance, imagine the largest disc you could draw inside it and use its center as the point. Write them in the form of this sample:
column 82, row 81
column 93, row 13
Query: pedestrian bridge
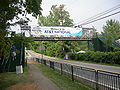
column 52, row 33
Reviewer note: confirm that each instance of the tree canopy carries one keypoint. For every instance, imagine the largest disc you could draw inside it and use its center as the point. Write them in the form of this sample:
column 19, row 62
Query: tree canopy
column 58, row 16
column 10, row 9
column 112, row 28
column 111, row 32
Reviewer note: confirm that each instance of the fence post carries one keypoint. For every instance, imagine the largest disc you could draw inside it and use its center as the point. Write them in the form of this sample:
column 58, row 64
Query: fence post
column 52, row 65
column 44, row 62
column 26, row 61
column 96, row 79
column 61, row 68
column 72, row 73
column 119, row 81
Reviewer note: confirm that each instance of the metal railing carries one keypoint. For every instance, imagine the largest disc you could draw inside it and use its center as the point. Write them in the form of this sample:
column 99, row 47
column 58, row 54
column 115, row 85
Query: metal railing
column 82, row 38
column 96, row 79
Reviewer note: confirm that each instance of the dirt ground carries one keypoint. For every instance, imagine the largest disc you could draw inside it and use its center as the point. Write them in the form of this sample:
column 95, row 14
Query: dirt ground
column 32, row 86
column 32, row 62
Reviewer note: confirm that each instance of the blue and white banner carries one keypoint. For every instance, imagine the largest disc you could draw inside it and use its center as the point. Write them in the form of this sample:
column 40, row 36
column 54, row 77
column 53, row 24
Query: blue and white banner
column 56, row 31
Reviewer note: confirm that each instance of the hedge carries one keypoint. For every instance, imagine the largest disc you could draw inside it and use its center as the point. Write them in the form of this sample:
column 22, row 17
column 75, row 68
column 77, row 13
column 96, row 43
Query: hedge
column 100, row 57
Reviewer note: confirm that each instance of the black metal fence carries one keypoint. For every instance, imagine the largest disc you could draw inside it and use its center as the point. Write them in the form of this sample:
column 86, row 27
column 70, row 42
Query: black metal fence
column 96, row 79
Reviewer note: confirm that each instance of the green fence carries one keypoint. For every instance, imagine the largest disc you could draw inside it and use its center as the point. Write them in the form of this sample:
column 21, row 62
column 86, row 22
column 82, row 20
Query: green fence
column 8, row 64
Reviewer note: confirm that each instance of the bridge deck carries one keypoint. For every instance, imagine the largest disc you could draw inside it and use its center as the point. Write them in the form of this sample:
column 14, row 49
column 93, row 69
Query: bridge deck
column 63, row 38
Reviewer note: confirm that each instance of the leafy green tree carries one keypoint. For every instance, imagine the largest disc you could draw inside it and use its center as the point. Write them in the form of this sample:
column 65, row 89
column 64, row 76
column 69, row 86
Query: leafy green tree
column 9, row 10
column 58, row 16
column 112, row 28
column 5, row 43
column 111, row 32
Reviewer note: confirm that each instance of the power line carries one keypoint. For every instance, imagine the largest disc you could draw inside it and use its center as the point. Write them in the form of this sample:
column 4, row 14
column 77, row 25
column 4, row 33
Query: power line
column 100, row 18
column 100, row 14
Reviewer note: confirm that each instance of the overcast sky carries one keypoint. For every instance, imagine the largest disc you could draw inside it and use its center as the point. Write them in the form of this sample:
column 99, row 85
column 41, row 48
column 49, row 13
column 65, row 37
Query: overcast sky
column 80, row 10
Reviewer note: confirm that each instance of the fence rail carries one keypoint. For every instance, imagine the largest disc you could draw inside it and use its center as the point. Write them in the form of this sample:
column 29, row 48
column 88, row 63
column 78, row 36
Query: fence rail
column 96, row 79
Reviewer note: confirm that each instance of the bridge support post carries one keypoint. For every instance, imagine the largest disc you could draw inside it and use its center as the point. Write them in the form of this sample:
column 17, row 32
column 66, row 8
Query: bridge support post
column 88, row 45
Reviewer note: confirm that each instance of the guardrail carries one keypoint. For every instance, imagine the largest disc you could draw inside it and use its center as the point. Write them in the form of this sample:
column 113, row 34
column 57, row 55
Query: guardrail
column 96, row 79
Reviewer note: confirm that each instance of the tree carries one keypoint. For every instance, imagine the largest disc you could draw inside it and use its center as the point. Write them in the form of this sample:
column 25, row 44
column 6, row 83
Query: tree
column 111, row 32
column 10, row 9
column 57, row 17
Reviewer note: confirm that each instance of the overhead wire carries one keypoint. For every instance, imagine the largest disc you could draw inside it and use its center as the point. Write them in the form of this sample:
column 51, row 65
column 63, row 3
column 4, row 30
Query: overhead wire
column 99, row 15
column 100, row 18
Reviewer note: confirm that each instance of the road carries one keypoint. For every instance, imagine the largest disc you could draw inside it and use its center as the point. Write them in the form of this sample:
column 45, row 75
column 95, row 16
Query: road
column 114, row 69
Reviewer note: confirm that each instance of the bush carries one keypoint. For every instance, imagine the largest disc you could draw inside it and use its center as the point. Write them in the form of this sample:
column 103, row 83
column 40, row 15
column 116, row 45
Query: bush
column 100, row 57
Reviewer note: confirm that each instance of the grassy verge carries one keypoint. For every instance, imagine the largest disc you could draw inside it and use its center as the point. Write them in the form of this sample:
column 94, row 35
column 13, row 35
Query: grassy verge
column 64, row 82
column 11, row 78
column 89, row 62
column 95, row 63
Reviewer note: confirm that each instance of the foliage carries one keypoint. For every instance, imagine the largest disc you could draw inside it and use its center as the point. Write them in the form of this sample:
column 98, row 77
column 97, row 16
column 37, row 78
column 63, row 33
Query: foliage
column 5, row 43
column 10, row 9
column 22, row 39
column 55, row 48
column 98, row 57
column 116, row 49
column 57, row 17
column 111, row 32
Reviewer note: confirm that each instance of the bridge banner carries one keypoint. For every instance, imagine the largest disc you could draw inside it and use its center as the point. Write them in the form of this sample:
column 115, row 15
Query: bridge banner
column 57, row 31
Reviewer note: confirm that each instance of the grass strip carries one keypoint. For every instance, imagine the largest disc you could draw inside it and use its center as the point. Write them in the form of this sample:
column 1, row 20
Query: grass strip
column 8, row 79
column 90, row 62
column 62, row 81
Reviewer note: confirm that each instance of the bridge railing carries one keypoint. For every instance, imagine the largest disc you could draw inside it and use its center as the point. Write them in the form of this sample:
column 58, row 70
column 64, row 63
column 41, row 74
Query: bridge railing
column 84, row 38
column 96, row 79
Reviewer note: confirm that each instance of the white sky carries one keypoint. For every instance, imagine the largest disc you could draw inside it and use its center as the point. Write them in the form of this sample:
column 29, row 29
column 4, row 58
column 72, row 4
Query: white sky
column 80, row 10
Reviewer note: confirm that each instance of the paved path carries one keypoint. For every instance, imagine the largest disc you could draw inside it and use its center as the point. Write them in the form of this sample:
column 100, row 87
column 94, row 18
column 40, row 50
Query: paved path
column 42, row 82
column 94, row 66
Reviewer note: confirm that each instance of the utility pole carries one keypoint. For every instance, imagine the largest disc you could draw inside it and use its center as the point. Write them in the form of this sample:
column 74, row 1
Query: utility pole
column 23, row 29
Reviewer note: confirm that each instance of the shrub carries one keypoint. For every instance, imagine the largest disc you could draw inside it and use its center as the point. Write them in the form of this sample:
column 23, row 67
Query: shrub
column 100, row 57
